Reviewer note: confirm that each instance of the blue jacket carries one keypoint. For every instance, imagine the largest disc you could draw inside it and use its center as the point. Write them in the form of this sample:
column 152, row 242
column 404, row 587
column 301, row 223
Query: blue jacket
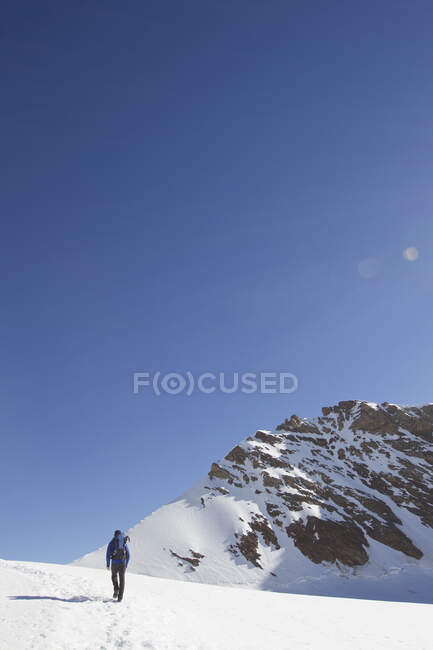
column 110, row 549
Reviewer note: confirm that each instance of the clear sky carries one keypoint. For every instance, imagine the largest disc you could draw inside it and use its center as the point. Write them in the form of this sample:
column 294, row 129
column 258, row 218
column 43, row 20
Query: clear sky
column 196, row 185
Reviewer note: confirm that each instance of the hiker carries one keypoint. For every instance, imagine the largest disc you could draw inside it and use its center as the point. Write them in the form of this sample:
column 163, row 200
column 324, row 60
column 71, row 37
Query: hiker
column 118, row 553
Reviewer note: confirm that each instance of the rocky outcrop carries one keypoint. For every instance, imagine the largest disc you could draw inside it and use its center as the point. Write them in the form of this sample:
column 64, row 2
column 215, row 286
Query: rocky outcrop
column 237, row 455
column 389, row 419
column 247, row 545
column 193, row 561
column 260, row 524
column 329, row 541
column 297, row 425
column 216, row 471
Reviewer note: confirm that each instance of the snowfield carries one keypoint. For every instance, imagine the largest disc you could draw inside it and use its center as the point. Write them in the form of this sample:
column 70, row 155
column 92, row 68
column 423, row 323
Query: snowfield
column 67, row 607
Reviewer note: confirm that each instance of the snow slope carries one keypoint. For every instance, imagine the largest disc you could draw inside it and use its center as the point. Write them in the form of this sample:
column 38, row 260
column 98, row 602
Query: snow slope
column 303, row 508
column 48, row 606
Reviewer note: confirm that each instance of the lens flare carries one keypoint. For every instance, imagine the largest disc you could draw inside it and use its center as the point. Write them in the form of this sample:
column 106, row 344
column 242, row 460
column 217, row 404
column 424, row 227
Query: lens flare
column 368, row 268
column 410, row 254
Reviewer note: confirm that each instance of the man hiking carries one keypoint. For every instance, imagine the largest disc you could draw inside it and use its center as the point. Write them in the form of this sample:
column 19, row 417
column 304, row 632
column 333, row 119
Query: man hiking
column 118, row 554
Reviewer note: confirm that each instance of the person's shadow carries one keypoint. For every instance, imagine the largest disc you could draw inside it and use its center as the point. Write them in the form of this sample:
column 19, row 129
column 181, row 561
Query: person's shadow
column 75, row 599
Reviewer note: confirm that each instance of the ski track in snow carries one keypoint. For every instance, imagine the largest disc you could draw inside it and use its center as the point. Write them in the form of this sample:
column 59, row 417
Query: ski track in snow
column 48, row 606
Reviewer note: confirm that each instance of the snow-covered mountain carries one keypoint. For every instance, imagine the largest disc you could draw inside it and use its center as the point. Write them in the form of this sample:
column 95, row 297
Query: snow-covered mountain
column 346, row 494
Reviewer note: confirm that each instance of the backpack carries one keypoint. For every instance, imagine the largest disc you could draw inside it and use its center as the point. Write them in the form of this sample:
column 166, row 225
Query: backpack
column 119, row 550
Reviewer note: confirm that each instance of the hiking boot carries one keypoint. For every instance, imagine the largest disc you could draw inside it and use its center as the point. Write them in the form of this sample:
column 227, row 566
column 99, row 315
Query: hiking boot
column 119, row 600
column 116, row 593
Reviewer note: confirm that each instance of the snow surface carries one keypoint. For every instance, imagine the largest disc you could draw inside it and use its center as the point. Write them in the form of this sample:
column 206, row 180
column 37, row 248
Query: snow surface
column 48, row 606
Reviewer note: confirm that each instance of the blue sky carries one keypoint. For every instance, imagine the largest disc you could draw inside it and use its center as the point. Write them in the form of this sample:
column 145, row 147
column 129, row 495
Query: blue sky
column 192, row 186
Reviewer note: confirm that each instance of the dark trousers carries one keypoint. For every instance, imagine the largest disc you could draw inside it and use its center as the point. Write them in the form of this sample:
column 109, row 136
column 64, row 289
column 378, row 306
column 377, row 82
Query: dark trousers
column 118, row 570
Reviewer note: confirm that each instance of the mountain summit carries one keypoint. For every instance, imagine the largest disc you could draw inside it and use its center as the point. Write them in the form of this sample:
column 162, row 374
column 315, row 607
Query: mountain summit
column 349, row 493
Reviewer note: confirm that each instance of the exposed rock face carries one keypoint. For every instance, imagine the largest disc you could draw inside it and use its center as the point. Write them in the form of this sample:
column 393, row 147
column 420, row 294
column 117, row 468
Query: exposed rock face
column 329, row 541
column 331, row 485
column 237, row 455
column 390, row 418
column 219, row 472
column 247, row 545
